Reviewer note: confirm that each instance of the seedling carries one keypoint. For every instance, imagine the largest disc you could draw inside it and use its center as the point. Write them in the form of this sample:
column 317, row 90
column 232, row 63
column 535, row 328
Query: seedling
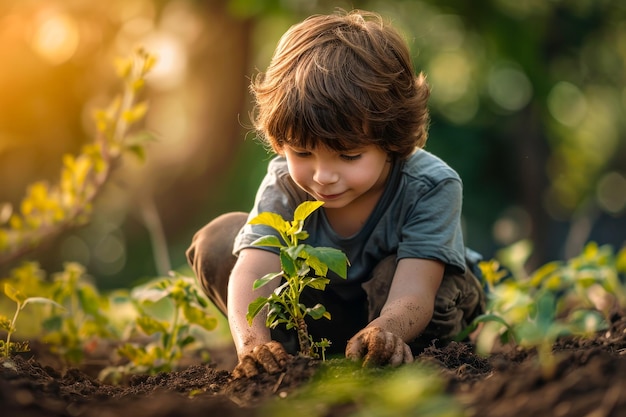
column 85, row 319
column 558, row 299
column 7, row 347
column 302, row 266
column 177, row 298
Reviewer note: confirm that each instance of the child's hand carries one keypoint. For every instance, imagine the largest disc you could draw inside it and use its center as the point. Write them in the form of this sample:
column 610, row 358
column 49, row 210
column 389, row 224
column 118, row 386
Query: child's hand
column 378, row 347
column 270, row 357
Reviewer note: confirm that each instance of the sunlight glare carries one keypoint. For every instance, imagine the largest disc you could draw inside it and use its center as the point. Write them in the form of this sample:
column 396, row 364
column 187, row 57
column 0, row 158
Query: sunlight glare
column 171, row 67
column 55, row 38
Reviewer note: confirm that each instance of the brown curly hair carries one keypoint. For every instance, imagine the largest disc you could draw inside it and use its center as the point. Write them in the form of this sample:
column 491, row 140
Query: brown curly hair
column 345, row 81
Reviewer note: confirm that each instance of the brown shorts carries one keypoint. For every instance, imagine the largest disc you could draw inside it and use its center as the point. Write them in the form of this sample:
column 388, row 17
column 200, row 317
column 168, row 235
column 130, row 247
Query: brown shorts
column 459, row 300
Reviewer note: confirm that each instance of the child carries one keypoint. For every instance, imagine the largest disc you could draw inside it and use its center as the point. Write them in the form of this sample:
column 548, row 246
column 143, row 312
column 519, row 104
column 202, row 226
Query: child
column 341, row 106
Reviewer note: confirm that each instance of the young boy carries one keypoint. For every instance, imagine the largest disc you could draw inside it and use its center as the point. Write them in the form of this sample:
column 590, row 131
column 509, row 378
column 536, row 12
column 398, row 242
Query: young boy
column 341, row 106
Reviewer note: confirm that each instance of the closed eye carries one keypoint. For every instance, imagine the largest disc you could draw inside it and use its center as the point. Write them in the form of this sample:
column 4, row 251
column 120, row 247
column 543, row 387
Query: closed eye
column 350, row 157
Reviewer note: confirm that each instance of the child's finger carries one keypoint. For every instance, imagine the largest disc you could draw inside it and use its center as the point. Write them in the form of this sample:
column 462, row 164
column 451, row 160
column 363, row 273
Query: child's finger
column 247, row 367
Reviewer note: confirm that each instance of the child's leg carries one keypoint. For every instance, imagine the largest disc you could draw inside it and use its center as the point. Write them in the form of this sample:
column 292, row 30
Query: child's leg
column 459, row 300
column 211, row 258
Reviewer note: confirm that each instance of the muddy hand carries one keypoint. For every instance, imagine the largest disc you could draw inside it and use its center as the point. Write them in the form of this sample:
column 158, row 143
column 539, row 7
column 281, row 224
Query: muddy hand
column 377, row 347
column 270, row 357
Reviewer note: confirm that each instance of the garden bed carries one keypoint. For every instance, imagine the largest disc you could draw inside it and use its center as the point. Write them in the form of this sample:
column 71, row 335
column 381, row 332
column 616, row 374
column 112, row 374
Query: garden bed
column 588, row 380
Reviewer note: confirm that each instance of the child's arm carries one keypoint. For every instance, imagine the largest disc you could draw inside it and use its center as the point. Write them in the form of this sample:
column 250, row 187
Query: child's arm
column 404, row 316
column 253, row 343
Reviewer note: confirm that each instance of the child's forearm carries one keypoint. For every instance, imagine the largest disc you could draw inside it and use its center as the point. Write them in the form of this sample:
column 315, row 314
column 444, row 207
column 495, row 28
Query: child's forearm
column 251, row 265
column 245, row 336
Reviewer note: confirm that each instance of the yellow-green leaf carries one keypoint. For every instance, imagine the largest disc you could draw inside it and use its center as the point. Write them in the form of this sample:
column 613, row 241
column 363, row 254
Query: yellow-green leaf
column 123, row 66
column 135, row 113
column 305, row 209
column 199, row 317
column 272, row 220
column 13, row 293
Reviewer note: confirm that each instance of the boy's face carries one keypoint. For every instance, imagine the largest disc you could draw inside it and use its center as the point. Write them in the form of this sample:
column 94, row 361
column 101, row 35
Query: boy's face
column 338, row 178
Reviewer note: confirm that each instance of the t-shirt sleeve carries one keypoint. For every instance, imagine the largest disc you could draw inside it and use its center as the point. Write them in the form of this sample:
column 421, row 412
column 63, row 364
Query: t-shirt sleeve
column 277, row 194
column 432, row 229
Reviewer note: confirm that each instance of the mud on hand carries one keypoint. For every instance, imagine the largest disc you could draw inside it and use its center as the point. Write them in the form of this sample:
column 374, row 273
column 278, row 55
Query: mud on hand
column 270, row 357
column 378, row 347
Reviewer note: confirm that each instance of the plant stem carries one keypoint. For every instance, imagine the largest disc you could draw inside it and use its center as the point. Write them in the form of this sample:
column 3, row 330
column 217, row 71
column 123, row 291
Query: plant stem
column 303, row 337
column 7, row 351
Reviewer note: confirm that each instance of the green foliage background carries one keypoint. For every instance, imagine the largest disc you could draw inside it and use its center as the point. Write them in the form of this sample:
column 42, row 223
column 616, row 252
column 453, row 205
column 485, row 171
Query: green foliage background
column 528, row 104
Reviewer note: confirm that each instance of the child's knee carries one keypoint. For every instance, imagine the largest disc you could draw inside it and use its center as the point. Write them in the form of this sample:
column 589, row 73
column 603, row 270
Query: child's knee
column 210, row 253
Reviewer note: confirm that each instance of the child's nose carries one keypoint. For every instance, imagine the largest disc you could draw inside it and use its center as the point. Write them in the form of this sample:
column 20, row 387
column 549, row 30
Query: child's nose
column 325, row 174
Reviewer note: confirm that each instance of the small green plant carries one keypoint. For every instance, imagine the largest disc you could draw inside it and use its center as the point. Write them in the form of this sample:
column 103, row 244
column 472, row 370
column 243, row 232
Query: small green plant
column 8, row 347
column 169, row 308
column 560, row 298
column 302, row 266
column 78, row 327
column 85, row 320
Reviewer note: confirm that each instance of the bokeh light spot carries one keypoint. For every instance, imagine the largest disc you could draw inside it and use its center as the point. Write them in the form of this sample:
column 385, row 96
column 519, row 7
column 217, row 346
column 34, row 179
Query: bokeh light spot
column 55, row 38
column 567, row 104
column 171, row 67
column 75, row 249
column 509, row 87
column 611, row 192
column 449, row 74
column 110, row 255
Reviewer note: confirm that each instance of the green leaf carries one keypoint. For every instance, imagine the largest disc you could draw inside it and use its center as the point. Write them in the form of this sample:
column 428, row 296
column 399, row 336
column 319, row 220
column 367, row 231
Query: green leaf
column 294, row 252
column 150, row 325
column 318, row 283
column 483, row 318
column 272, row 220
column 13, row 293
column 5, row 323
column 305, row 209
column 89, row 300
column 202, row 302
column 288, row 264
column 187, row 340
column 269, row 240
column 254, row 308
column 276, row 316
column 199, row 317
column 332, row 258
column 317, row 312
column 42, row 300
column 136, row 113
column 137, row 150
column 620, row 262
column 149, row 294
column 265, row 279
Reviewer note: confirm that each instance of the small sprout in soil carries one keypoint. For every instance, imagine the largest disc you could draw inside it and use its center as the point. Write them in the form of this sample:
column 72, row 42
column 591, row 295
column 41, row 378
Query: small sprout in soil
column 302, row 266
column 7, row 347
column 169, row 309
column 558, row 299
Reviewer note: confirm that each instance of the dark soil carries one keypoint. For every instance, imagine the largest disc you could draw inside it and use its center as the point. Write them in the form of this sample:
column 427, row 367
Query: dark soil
column 588, row 381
